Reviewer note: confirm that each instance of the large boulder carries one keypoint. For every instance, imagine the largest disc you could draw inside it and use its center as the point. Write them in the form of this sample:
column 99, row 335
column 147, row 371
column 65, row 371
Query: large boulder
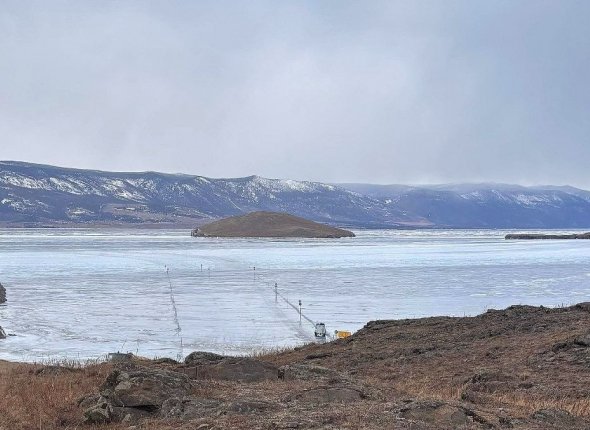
column 133, row 394
column 190, row 408
column 442, row 414
column 2, row 294
column 144, row 388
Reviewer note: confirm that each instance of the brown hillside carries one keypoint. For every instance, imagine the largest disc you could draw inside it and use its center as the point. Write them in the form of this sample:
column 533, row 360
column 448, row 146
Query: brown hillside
column 269, row 224
column 520, row 368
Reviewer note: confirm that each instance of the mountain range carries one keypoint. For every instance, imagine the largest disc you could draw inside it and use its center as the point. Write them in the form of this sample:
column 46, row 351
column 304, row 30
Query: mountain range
column 37, row 195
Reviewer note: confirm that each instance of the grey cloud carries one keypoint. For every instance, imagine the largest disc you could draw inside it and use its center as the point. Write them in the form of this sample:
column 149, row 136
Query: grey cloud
column 425, row 91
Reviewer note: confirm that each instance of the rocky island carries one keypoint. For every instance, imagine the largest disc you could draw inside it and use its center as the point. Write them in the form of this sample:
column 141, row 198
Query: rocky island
column 532, row 236
column 269, row 224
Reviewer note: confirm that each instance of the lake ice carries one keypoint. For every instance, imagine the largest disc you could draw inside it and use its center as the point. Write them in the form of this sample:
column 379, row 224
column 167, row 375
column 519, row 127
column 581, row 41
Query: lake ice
column 85, row 293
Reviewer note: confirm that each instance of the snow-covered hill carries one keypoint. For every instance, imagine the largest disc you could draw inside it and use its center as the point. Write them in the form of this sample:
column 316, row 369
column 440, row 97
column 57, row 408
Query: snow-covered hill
column 41, row 194
column 38, row 194
column 487, row 205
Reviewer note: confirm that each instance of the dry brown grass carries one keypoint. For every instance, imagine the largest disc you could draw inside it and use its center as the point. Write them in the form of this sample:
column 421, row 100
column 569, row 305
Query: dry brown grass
column 527, row 404
column 416, row 388
column 45, row 401
column 523, row 404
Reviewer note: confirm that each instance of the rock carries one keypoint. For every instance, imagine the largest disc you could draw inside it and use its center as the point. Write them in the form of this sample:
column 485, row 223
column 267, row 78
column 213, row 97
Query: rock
column 129, row 415
column 202, row 357
column 310, row 372
column 2, row 333
column 88, row 401
column 134, row 394
column 144, row 388
column 2, row 294
column 235, row 369
column 554, row 416
column 583, row 340
column 486, row 381
column 442, row 414
column 100, row 413
column 325, row 395
column 189, row 408
column 121, row 357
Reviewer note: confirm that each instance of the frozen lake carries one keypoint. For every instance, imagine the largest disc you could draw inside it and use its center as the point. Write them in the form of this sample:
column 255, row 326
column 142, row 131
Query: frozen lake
column 84, row 293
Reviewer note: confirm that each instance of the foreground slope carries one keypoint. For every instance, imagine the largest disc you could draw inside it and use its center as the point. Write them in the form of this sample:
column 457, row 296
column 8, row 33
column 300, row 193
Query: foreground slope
column 521, row 368
column 269, row 224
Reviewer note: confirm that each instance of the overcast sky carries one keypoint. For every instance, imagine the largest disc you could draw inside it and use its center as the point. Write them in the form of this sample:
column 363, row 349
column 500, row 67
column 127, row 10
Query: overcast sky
column 339, row 91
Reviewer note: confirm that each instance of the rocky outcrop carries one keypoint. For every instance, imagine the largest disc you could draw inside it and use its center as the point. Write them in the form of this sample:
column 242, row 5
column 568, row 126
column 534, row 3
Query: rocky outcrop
column 531, row 236
column 189, row 408
column 238, row 369
column 142, row 392
column 134, row 394
column 269, row 224
column 442, row 414
column 2, row 294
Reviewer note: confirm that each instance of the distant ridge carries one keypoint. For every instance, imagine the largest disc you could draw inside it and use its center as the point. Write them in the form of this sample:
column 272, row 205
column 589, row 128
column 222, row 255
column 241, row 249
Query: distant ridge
column 530, row 236
column 269, row 224
column 40, row 195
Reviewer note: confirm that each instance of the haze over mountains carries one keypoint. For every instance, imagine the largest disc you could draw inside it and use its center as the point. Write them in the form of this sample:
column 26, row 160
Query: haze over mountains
column 32, row 194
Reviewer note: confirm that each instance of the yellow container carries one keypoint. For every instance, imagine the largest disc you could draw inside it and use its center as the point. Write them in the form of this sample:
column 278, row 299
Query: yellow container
column 343, row 334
